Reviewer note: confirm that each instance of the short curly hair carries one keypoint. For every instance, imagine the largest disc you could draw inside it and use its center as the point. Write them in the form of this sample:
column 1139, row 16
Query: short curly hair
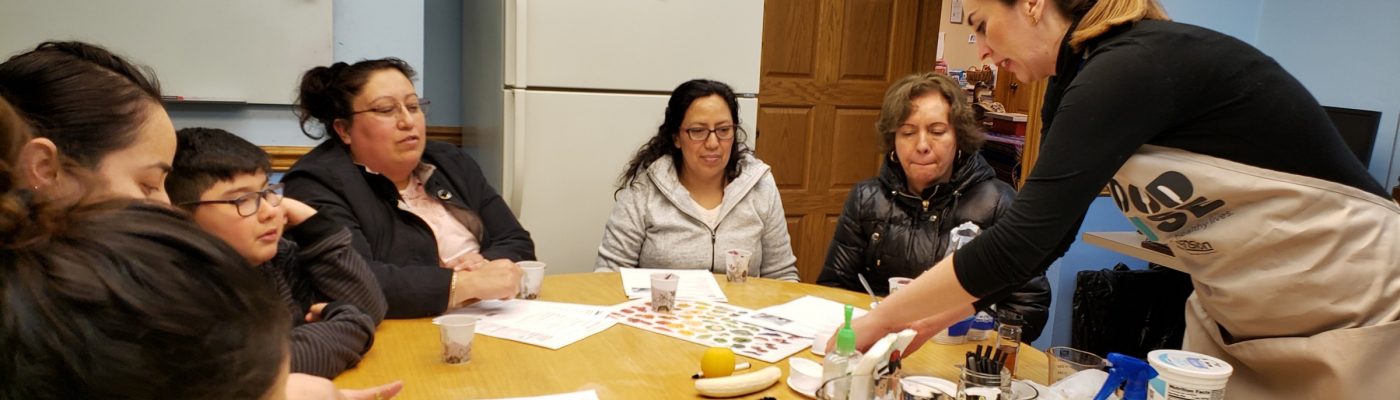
column 899, row 99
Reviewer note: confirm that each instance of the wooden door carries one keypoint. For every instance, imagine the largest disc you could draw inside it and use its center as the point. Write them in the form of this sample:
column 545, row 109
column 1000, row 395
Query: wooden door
column 825, row 67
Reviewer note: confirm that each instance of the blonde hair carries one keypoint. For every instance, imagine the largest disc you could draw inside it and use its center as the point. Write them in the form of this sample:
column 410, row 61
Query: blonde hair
column 1106, row 14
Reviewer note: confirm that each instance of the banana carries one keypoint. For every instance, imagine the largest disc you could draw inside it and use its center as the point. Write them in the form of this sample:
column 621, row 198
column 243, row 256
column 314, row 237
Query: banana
column 738, row 385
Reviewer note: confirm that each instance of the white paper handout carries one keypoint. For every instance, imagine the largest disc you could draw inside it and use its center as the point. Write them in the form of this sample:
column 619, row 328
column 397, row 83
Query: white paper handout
column 541, row 323
column 584, row 395
column 696, row 284
column 803, row 317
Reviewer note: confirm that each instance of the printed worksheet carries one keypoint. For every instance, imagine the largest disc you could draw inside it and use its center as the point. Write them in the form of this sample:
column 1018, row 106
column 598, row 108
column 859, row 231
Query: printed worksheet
column 541, row 323
column 695, row 284
column 712, row 324
column 803, row 317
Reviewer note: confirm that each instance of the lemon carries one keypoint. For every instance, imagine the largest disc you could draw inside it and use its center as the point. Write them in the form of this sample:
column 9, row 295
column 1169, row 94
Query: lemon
column 717, row 362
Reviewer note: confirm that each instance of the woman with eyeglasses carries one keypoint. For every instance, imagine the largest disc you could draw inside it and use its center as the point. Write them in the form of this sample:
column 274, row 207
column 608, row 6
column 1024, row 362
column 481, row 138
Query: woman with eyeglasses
column 430, row 227
column 695, row 191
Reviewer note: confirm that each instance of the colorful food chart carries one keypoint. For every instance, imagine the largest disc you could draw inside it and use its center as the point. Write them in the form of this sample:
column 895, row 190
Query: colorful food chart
column 712, row 324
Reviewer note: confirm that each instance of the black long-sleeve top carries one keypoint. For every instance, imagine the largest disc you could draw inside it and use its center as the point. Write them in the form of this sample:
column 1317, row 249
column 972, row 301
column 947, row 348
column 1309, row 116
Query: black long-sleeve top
column 1161, row 83
column 318, row 265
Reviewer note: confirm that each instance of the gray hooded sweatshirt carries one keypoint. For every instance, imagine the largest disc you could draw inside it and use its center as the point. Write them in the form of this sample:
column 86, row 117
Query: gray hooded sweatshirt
column 656, row 224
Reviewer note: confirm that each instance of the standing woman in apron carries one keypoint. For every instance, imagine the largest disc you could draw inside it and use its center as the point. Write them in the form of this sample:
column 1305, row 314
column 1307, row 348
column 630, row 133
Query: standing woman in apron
column 1208, row 146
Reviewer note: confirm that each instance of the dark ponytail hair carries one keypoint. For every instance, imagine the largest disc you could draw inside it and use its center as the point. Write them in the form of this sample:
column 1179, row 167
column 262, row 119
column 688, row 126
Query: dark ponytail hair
column 13, row 135
column 85, row 99
column 125, row 299
column 664, row 143
column 326, row 93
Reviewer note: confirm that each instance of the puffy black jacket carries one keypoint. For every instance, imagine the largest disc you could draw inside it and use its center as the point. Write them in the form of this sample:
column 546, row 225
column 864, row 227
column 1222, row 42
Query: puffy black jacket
column 885, row 232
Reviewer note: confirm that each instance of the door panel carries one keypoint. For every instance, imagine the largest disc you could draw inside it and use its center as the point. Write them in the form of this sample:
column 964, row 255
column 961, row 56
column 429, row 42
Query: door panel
column 826, row 65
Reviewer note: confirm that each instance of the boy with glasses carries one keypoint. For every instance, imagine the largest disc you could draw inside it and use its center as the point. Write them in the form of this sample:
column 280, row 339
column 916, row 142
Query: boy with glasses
column 335, row 303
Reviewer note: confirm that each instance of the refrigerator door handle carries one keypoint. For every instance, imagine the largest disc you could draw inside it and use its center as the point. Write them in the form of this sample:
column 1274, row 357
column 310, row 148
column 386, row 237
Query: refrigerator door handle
column 517, row 168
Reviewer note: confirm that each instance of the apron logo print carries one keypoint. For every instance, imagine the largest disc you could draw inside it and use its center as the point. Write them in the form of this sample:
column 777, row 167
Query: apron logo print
column 1194, row 246
column 1164, row 202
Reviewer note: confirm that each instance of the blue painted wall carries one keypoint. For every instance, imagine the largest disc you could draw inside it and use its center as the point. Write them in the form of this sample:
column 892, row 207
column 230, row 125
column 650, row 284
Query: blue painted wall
column 1102, row 216
column 362, row 29
column 1347, row 53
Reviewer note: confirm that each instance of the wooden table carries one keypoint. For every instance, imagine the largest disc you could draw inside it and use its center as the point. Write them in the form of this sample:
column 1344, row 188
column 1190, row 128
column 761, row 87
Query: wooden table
column 620, row 363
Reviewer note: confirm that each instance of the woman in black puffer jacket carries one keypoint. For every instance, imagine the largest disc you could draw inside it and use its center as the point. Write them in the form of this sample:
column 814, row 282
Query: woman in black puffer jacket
column 899, row 223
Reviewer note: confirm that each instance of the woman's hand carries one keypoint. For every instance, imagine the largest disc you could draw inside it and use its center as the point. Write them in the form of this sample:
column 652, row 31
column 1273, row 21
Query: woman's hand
column 499, row 279
column 465, row 262
column 381, row 392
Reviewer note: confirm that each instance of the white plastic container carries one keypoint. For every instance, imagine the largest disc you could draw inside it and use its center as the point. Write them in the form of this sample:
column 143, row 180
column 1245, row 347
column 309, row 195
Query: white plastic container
column 1183, row 375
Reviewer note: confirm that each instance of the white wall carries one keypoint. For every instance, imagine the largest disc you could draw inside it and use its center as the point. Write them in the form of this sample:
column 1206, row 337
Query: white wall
column 362, row 29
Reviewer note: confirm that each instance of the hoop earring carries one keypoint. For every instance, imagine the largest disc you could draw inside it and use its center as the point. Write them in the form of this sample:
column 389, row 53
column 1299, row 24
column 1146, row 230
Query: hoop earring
column 892, row 156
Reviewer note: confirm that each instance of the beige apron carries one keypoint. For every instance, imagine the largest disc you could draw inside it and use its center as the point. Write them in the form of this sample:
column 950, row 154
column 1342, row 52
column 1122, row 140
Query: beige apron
column 1297, row 279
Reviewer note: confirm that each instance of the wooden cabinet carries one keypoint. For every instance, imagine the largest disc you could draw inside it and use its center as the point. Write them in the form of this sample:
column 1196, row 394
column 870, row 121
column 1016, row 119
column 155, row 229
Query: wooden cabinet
column 1018, row 97
column 1024, row 98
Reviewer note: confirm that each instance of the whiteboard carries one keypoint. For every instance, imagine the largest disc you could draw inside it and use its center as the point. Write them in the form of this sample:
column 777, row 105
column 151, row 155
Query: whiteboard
column 251, row 51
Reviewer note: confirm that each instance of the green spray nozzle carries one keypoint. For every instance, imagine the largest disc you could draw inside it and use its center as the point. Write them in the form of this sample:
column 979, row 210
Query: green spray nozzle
column 846, row 337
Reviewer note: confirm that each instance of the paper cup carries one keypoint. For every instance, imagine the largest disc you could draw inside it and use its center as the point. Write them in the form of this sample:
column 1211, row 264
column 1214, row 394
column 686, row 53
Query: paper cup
column 663, row 291
column 821, row 339
column 1065, row 361
column 736, row 265
column 457, row 334
column 531, row 279
column 897, row 283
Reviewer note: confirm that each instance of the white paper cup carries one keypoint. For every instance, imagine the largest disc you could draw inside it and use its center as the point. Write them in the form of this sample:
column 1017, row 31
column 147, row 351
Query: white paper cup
column 457, row 334
column 663, row 291
column 821, row 339
column 897, row 283
column 736, row 265
column 531, row 279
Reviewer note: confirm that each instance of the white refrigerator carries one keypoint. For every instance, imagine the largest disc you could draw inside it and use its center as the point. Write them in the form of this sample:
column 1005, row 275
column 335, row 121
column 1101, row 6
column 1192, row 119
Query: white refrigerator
column 559, row 94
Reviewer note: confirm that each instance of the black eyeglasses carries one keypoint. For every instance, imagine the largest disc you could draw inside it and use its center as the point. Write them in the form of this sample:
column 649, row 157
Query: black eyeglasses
column 721, row 132
column 248, row 204
column 389, row 111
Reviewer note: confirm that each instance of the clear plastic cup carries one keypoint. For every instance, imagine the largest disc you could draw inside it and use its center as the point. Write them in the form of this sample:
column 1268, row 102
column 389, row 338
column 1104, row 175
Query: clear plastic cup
column 1065, row 361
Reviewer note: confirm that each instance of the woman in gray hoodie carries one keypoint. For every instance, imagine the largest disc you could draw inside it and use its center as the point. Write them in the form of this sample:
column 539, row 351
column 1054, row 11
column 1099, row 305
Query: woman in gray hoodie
column 695, row 191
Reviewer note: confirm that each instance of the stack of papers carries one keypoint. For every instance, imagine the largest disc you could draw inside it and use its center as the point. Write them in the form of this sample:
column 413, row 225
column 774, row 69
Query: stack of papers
column 541, row 323
column 695, row 284
column 806, row 317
